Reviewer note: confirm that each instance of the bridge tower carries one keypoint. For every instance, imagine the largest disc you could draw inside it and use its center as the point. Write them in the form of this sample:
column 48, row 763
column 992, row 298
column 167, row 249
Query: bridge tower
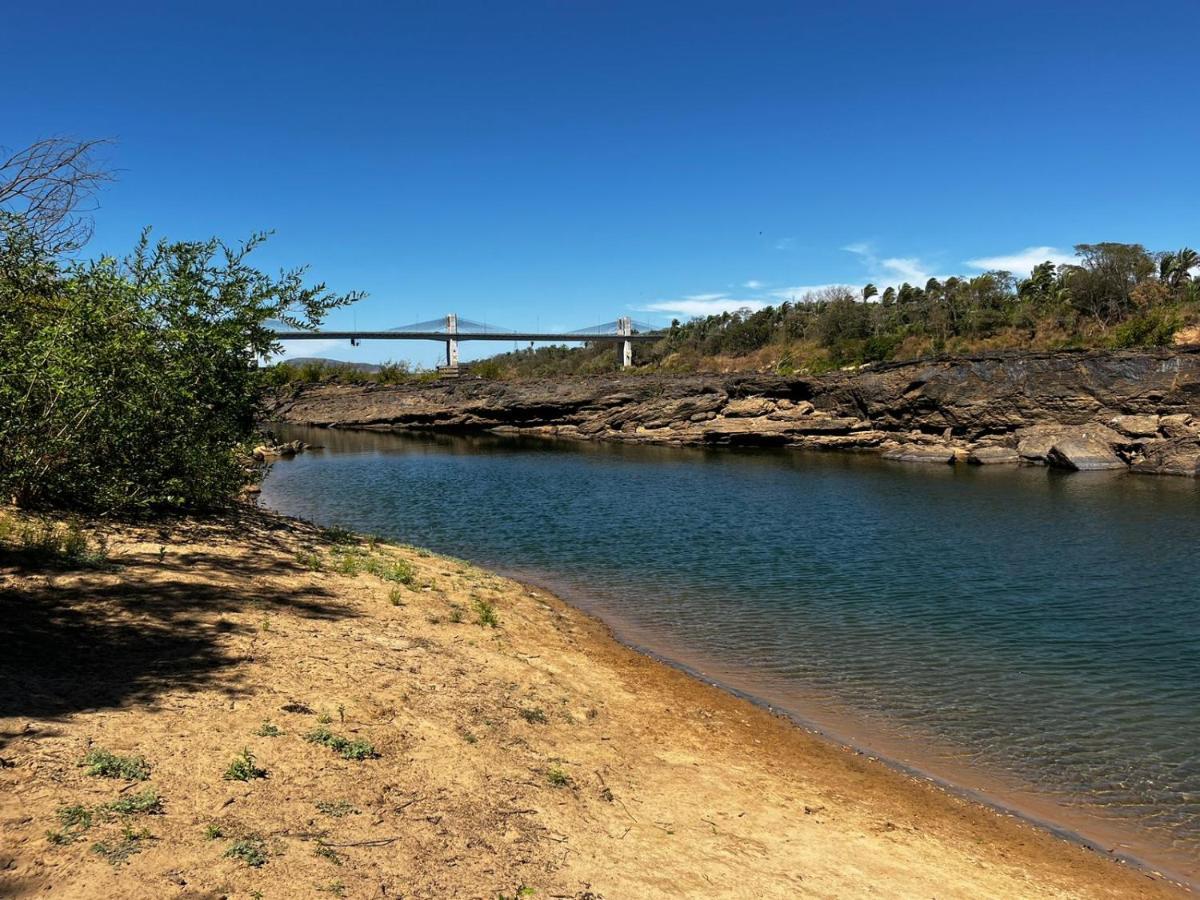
column 625, row 348
column 452, row 343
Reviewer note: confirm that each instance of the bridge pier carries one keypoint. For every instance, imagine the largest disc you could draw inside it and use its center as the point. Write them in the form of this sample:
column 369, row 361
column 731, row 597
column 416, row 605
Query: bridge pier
column 452, row 343
column 625, row 348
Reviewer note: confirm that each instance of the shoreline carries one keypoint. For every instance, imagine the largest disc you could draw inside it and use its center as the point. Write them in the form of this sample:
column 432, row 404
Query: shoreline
column 540, row 750
column 1136, row 411
column 1085, row 831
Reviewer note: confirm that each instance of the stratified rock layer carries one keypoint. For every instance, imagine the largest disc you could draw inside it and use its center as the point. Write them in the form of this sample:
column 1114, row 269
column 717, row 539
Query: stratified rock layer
column 1081, row 410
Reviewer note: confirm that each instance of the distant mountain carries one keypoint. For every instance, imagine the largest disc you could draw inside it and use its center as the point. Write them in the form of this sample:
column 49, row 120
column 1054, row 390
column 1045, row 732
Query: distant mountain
column 331, row 363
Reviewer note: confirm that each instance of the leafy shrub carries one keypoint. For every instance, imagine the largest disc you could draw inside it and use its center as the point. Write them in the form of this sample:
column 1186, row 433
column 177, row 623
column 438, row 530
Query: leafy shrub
column 129, row 385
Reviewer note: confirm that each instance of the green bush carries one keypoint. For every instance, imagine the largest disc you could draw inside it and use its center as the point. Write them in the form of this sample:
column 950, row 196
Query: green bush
column 129, row 385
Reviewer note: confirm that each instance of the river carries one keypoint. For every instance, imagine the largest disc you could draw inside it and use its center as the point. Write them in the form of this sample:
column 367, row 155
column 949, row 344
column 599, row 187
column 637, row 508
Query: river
column 1025, row 634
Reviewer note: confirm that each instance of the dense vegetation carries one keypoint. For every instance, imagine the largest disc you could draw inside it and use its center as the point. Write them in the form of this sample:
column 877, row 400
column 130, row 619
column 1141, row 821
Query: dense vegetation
column 129, row 384
column 1114, row 296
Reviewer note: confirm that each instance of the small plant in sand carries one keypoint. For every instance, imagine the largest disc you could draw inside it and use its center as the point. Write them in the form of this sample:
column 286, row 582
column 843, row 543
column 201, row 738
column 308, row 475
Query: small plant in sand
column 336, row 888
column 326, row 852
column 339, row 536
column 251, row 850
column 347, row 749
column 456, row 613
column 310, row 560
column 244, row 768
column 213, row 832
column 534, row 716
column 146, row 802
column 118, row 852
column 396, row 597
column 267, row 729
column 557, row 777
column 337, row 808
column 101, row 763
column 486, row 613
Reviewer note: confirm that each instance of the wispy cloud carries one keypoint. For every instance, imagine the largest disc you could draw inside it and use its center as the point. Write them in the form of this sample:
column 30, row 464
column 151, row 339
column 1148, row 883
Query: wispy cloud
column 1021, row 262
column 795, row 292
column 890, row 270
column 753, row 284
column 785, row 243
column 702, row 305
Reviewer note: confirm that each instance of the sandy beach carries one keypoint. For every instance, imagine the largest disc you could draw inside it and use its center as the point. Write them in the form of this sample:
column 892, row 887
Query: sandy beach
column 425, row 728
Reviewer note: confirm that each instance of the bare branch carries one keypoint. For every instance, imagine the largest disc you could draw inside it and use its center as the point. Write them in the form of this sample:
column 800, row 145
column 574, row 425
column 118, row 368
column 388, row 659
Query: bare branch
column 50, row 186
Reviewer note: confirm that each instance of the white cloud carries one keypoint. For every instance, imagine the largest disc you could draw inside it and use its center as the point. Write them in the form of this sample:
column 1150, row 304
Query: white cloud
column 905, row 268
column 292, row 349
column 787, row 243
column 753, row 284
column 702, row 305
column 1021, row 262
column 892, row 270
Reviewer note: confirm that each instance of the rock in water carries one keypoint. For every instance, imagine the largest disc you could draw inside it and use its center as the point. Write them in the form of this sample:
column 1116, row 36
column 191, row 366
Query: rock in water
column 921, row 454
column 1083, row 453
column 990, row 456
column 1179, row 456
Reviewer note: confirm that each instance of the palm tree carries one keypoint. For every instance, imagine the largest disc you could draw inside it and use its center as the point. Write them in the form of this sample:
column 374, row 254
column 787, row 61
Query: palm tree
column 1174, row 269
column 869, row 290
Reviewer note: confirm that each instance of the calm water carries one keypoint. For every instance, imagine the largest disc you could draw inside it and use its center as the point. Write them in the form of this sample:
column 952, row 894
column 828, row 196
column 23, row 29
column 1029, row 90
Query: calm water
column 1019, row 629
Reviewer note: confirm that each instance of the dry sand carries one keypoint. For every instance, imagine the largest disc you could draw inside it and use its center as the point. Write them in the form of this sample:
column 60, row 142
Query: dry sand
column 537, row 758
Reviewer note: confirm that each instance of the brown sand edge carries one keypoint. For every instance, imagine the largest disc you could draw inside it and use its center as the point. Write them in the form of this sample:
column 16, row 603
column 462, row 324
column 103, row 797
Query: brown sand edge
column 674, row 787
column 624, row 652
column 805, row 744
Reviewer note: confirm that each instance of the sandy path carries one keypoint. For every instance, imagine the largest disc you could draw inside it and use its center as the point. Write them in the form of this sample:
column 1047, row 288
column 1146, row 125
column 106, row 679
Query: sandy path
column 538, row 758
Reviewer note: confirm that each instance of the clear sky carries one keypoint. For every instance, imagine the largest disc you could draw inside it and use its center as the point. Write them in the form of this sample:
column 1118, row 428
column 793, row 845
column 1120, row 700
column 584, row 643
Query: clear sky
column 557, row 164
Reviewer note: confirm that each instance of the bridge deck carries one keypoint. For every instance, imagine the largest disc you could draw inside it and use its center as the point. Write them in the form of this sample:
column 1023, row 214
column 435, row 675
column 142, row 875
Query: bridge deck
column 458, row 336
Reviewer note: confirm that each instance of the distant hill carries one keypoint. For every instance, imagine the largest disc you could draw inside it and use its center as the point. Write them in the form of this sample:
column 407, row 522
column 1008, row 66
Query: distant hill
column 331, row 363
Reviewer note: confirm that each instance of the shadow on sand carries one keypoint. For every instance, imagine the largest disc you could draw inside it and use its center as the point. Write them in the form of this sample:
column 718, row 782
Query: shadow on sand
column 83, row 641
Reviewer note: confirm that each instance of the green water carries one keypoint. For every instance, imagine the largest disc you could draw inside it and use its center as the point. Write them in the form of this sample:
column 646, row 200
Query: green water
column 1040, row 627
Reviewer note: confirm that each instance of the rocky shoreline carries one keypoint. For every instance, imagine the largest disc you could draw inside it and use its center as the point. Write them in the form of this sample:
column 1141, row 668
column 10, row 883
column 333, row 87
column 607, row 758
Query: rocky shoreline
column 1082, row 410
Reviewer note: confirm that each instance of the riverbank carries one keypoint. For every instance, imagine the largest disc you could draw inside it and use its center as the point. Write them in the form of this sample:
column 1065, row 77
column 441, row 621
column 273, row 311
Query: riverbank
column 505, row 742
column 1073, row 409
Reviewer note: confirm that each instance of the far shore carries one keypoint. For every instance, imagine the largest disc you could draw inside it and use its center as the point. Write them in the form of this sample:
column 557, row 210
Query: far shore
column 516, row 745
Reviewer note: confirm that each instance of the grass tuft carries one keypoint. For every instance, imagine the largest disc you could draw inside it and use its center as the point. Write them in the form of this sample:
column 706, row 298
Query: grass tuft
column 337, row 808
column 147, row 803
column 103, row 764
column 118, row 852
column 244, row 768
column 486, row 612
column 534, row 716
column 251, row 850
column 266, row 729
column 348, row 749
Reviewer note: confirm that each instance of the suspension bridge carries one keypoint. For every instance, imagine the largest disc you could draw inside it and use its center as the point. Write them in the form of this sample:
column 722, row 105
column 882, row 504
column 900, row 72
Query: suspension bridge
column 452, row 330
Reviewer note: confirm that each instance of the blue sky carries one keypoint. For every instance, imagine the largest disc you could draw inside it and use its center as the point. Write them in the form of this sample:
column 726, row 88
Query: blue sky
column 557, row 164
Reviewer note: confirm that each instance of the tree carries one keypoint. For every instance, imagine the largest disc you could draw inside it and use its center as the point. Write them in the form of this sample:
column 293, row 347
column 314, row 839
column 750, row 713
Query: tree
column 869, row 290
column 1100, row 286
column 128, row 385
column 49, row 186
column 1174, row 269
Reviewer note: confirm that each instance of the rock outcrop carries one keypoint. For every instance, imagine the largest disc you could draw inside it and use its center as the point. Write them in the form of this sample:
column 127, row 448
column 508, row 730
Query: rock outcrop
column 1079, row 410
